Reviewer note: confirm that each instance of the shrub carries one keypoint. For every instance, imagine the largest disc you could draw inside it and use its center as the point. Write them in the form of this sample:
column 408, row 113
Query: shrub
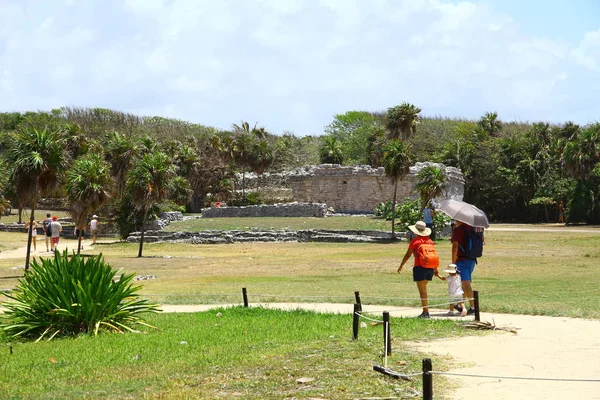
column 407, row 213
column 67, row 295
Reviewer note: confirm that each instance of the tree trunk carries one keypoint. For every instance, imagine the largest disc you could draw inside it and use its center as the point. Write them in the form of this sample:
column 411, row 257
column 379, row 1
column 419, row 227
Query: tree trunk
column 29, row 237
column 21, row 215
column 243, row 184
column 142, row 235
column 79, row 241
column 394, row 209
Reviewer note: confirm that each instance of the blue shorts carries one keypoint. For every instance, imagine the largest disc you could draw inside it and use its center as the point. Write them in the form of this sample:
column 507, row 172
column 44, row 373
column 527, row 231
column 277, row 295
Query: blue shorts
column 465, row 269
column 422, row 274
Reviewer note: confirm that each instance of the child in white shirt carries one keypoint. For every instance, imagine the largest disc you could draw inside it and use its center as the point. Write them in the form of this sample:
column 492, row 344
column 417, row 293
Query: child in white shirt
column 455, row 292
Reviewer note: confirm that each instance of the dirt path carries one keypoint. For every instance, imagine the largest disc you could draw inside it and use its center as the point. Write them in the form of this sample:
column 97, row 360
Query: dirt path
column 544, row 347
column 21, row 252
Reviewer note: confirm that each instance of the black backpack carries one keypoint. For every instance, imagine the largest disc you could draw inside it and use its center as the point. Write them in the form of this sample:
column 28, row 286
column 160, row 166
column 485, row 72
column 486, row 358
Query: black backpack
column 473, row 244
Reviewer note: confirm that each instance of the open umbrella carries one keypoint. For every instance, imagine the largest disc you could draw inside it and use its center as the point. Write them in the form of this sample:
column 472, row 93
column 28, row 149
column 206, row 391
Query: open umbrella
column 464, row 212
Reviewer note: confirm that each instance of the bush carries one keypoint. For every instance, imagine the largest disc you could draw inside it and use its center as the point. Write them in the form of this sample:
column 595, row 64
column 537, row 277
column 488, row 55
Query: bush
column 67, row 295
column 407, row 213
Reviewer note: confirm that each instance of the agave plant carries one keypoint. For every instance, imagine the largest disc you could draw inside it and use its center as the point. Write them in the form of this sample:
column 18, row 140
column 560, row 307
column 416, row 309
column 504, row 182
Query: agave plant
column 68, row 295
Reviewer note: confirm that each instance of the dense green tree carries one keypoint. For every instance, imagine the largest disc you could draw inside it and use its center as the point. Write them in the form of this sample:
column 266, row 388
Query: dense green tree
column 88, row 188
column 401, row 121
column 331, row 151
column 119, row 152
column 490, row 123
column 353, row 130
column 38, row 161
column 431, row 183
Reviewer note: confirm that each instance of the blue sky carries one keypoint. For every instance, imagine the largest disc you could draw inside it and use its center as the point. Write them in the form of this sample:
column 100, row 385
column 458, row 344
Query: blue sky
column 290, row 65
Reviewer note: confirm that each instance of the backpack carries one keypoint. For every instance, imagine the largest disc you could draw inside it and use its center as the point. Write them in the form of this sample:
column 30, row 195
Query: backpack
column 428, row 255
column 473, row 244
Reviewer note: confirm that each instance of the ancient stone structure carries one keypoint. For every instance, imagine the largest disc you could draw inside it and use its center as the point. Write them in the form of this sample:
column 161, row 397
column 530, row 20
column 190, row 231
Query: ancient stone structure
column 259, row 235
column 359, row 189
column 275, row 210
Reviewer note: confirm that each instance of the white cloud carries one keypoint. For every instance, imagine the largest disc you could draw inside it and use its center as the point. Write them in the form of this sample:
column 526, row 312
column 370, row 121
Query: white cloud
column 588, row 52
column 289, row 64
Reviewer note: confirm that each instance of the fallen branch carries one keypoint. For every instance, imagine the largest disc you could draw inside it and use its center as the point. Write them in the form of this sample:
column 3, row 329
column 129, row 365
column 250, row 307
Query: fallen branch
column 488, row 326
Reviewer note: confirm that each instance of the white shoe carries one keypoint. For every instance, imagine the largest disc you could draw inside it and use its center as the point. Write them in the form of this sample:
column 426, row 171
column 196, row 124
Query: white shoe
column 463, row 313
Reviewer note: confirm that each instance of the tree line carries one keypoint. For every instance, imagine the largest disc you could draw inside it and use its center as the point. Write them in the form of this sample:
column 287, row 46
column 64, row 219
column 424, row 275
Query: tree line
column 517, row 172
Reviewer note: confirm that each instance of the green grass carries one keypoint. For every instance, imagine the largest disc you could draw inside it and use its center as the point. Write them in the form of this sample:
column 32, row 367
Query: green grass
column 291, row 223
column 245, row 353
column 548, row 273
column 40, row 215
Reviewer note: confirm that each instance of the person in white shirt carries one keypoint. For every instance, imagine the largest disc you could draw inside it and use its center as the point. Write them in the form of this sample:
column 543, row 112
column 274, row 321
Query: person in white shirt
column 455, row 291
column 55, row 230
column 94, row 228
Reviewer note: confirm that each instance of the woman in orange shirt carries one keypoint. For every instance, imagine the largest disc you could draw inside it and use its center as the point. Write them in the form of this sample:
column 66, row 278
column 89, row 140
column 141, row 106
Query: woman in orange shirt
column 421, row 274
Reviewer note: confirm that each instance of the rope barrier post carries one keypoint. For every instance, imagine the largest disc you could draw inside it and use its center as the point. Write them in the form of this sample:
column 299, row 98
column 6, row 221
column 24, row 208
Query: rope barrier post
column 476, row 301
column 245, row 296
column 387, row 339
column 355, row 322
column 427, row 379
column 357, row 297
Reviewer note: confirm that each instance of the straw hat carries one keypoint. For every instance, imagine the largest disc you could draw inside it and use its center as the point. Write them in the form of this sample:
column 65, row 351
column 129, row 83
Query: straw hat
column 420, row 229
column 451, row 269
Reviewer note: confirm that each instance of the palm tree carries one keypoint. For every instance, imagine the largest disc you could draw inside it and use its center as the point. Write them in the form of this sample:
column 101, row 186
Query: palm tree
column 88, row 188
column 242, row 154
column 148, row 183
column 259, row 133
column 582, row 153
column 38, row 159
column 490, row 123
column 401, row 121
column 119, row 152
column 331, row 151
column 431, row 183
column 396, row 162
column 262, row 158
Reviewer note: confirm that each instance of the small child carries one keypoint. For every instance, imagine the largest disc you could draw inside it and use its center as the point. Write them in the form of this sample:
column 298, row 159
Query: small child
column 455, row 291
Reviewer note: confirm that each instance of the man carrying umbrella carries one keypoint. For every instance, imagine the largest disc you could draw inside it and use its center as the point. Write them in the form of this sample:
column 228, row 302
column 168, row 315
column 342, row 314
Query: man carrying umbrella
column 467, row 217
column 464, row 265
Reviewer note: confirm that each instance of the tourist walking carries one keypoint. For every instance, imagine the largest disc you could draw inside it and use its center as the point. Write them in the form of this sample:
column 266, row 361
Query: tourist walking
column 55, row 230
column 426, row 261
column 47, row 232
column 428, row 216
column 33, row 233
column 455, row 291
column 94, row 228
column 462, row 243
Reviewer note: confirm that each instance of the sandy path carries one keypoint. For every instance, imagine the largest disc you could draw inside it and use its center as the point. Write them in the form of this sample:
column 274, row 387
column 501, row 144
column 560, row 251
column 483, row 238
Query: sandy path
column 545, row 347
column 21, row 252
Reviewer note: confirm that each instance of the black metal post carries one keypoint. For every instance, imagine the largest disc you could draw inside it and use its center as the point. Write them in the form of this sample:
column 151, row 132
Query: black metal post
column 427, row 379
column 11, row 350
column 245, row 295
column 387, row 339
column 476, row 301
column 357, row 297
column 355, row 321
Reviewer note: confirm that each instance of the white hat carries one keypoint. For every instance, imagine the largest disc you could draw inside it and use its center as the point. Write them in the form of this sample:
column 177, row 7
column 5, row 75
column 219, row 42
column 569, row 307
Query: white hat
column 451, row 269
column 94, row 216
column 420, row 229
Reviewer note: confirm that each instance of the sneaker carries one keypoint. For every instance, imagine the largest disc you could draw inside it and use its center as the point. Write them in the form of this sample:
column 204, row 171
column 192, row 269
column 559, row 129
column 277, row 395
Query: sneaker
column 463, row 313
column 424, row 315
column 458, row 307
column 450, row 313
column 471, row 311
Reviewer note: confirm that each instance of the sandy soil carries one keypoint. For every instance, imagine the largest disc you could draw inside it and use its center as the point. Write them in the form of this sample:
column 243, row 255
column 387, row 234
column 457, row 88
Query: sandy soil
column 69, row 244
column 544, row 347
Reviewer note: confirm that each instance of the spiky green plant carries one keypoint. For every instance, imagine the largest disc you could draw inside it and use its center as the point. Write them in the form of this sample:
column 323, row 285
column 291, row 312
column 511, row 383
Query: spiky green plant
column 68, row 295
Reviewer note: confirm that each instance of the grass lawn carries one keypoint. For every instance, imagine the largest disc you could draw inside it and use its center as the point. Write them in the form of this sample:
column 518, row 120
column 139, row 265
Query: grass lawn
column 245, row 353
column 520, row 272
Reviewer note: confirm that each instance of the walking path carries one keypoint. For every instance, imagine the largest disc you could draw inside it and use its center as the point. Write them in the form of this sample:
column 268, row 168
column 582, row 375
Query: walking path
column 544, row 347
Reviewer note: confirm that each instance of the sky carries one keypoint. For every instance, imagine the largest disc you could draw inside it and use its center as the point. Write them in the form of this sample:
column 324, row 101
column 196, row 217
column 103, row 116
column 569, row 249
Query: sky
column 291, row 65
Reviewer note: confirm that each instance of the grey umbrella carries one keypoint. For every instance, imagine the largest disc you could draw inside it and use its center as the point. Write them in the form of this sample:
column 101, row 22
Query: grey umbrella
column 464, row 212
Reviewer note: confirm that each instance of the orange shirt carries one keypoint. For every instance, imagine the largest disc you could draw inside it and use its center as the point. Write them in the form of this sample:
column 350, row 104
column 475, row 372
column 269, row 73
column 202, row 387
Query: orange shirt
column 414, row 245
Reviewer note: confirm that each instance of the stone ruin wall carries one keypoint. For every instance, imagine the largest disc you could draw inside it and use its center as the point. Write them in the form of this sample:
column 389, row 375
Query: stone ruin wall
column 359, row 189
